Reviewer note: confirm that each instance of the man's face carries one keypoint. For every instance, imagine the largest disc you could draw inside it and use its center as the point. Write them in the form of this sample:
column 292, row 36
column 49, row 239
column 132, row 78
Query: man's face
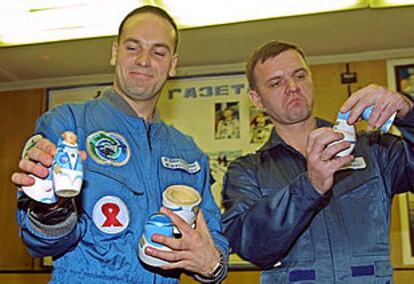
column 228, row 114
column 144, row 57
column 284, row 88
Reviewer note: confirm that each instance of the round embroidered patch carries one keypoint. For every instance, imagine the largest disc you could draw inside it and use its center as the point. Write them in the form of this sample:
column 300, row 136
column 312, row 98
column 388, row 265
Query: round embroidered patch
column 110, row 215
column 108, row 148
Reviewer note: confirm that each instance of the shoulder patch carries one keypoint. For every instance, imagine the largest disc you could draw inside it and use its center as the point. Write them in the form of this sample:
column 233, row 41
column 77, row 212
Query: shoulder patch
column 108, row 148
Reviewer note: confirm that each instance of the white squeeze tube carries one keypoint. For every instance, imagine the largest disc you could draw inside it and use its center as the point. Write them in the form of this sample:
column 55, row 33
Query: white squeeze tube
column 341, row 125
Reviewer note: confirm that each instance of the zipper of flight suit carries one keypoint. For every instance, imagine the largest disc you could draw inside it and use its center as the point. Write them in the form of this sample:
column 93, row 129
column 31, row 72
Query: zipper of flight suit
column 148, row 129
column 150, row 183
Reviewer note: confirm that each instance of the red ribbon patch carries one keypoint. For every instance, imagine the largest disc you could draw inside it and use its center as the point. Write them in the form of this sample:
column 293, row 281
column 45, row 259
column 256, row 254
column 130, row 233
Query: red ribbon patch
column 111, row 210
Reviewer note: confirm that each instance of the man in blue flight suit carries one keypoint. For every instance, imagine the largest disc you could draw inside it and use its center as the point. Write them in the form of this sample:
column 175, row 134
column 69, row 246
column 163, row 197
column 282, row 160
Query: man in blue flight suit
column 132, row 157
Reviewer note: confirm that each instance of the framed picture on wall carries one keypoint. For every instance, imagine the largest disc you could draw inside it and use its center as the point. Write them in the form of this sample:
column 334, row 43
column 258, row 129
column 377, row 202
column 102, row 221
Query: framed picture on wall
column 404, row 78
column 406, row 202
column 58, row 96
column 400, row 73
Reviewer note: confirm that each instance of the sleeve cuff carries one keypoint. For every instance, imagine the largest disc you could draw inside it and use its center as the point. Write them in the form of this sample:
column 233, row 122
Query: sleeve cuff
column 310, row 193
column 56, row 223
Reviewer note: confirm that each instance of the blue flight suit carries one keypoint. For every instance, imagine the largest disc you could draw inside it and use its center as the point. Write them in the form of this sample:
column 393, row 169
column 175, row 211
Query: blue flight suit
column 130, row 163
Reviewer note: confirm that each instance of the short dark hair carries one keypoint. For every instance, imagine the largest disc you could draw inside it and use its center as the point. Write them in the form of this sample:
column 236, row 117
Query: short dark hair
column 155, row 11
column 266, row 51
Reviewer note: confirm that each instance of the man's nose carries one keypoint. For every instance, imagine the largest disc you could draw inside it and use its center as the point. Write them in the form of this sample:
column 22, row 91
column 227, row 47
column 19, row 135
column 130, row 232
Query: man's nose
column 291, row 84
column 143, row 59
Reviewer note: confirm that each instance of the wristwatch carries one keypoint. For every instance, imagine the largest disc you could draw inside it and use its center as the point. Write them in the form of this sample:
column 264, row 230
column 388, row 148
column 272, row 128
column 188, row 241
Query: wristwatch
column 216, row 274
column 218, row 268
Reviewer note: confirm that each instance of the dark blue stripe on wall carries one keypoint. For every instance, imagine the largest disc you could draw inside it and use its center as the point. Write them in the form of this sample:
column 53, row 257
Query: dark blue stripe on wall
column 302, row 275
column 362, row 270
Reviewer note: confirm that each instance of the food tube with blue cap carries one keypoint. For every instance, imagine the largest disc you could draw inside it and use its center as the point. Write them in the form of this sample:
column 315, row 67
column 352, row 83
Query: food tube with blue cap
column 341, row 125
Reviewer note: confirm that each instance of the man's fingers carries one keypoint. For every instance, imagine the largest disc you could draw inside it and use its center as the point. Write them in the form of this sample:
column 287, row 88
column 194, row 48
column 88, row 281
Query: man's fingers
column 177, row 260
column 33, row 168
column 46, row 146
column 385, row 102
column 320, row 138
column 42, row 152
column 181, row 225
column 173, row 243
column 357, row 111
column 83, row 155
column 333, row 149
column 201, row 224
column 32, row 163
column 312, row 142
column 21, row 179
column 185, row 264
column 355, row 98
column 38, row 155
column 385, row 113
column 170, row 256
column 339, row 162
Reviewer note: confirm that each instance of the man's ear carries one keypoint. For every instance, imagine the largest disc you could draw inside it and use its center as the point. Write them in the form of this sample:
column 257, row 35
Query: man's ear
column 256, row 99
column 173, row 68
column 113, row 55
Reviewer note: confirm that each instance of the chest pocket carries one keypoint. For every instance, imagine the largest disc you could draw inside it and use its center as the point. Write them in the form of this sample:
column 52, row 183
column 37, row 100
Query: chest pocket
column 303, row 249
column 113, row 213
column 364, row 208
column 109, row 198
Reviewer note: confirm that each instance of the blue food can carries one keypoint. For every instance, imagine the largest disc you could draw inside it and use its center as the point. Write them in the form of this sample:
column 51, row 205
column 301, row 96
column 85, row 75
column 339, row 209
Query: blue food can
column 157, row 223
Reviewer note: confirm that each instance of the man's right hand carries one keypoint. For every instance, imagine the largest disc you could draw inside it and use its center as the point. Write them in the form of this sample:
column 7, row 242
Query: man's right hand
column 37, row 160
column 322, row 161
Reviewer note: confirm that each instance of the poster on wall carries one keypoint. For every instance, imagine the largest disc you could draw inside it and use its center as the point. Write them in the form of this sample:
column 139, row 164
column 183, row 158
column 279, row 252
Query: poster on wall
column 217, row 112
column 404, row 78
column 59, row 96
column 227, row 120
column 260, row 125
column 214, row 109
column 400, row 73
